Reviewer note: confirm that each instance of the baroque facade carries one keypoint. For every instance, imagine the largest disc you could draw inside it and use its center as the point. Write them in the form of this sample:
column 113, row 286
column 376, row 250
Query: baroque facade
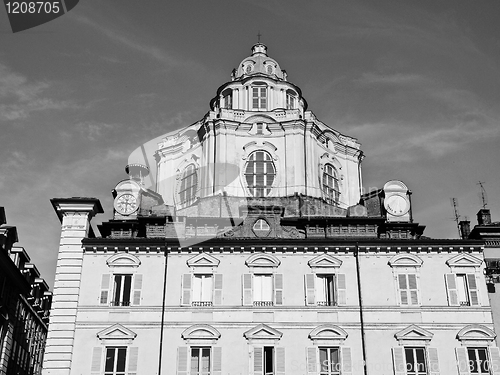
column 254, row 251
column 24, row 307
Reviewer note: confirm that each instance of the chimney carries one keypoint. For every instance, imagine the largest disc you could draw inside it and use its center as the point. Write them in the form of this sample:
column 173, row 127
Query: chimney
column 464, row 226
column 484, row 216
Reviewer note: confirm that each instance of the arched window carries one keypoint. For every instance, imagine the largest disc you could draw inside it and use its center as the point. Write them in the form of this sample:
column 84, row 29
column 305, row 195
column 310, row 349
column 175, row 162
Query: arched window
column 227, row 99
column 331, row 184
column 189, row 184
column 260, row 173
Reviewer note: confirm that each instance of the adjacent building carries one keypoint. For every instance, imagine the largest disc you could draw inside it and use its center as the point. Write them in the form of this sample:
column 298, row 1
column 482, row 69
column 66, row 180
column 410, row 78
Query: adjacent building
column 255, row 251
column 24, row 307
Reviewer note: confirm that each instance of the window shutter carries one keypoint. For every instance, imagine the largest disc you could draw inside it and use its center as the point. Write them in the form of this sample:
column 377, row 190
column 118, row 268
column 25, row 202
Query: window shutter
column 398, row 360
column 182, row 360
column 95, row 367
column 312, row 361
column 217, row 360
column 258, row 360
column 186, row 290
column 280, row 361
column 403, row 286
column 218, row 289
column 341, row 289
column 413, row 289
column 309, row 286
column 495, row 360
column 433, row 361
column 137, row 289
column 473, row 291
column 346, row 360
column 247, row 289
column 132, row 361
column 104, row 289
column 451, row 287
column 278, row 289
column 462, row 361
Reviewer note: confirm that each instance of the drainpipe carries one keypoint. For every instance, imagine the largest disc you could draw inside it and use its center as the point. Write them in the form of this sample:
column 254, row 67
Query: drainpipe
column 163, row 310
column 361, row 320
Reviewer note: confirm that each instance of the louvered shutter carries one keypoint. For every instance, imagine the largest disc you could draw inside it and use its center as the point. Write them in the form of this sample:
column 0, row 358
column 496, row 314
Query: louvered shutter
column 309, row 287
column 137, row 289
column 403, row 289
column 341, row 289
column 247, row 289
column 398, row 360
column 451, row 287
column 412, row 289
column 182, row 360
column 494, row 360
column 312, row 360
column 280, row 361
column 278, row 289
column 433, row 361
column 95, row 366
column 186, row 290
column 218, row 289
column 217, row 360
column 462, row 361
column 258, row 360
column 346, row 360
column 104, row 296
column 473, row 290
column 133, row 353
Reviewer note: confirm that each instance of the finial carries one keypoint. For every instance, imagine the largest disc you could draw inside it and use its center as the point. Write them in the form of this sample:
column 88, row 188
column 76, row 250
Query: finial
column 258, row 36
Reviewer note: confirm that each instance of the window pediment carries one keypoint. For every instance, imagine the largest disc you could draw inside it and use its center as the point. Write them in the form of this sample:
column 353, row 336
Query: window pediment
column 123, row 260
column 262, row 331
column 414, row 333
column 405, row 260
column 262, row 260
column 325, row 261
column 116, row 332
column 476, row 332
column 464, row 260
column 203, row 260
column 328, row 332
column 201, row 332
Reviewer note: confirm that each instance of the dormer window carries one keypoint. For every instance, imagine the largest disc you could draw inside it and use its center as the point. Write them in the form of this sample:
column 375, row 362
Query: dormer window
column 260, row 173
column 290, row 99
column 259, row 97
column 270, row 69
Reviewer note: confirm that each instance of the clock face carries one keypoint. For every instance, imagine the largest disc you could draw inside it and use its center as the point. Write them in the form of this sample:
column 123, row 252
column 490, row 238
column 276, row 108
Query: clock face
column 126, row 204
column 397, row 205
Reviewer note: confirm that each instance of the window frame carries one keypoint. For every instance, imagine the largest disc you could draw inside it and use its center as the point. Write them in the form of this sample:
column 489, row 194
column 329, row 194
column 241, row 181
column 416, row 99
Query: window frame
column 330, row 193
column 415, row 360
column 200, row 371
column 115, row 349
column 188, row 185
column 259, row 96
column 268, row 178
column 330, row 296
column 120, row 288
column 329, row 370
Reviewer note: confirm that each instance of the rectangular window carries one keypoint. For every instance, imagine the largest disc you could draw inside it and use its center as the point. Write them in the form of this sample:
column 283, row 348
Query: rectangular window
column 122, row 288
column 268, row 360
column 259, row 97
column 329, row 361
column 263, row 290
column 200, row 361
column 478, row 361
column 228, row 101
column 260, row 127
column 116, row 358
column 415, row 361
column 290, row 101
column 202, row 290
column 325, row 290
column 408, row 291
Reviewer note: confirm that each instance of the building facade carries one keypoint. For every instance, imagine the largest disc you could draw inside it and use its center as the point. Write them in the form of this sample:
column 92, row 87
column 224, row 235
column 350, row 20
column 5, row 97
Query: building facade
column 24, row 307
column 255, row 252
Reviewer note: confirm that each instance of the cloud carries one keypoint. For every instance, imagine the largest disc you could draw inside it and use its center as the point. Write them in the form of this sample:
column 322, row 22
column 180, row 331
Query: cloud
column 94, row 130
column 393, row 79
column 21, row 97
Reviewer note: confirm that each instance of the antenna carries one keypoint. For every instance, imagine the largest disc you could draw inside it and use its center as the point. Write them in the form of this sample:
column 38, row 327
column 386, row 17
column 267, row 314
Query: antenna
column 482, row 194
column 456, row 215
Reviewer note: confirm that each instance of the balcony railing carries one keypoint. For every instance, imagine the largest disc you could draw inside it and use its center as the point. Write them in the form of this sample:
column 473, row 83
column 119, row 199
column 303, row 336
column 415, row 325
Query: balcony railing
column 120, row 303
column 326, row 303
column 202, row 304
column 263, row 303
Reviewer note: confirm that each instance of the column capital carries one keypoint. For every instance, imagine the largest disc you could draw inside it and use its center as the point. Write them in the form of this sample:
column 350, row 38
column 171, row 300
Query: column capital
column 91, row 206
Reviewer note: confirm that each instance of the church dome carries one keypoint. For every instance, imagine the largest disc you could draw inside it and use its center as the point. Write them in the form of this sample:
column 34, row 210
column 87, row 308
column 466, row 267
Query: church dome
column 259, row 63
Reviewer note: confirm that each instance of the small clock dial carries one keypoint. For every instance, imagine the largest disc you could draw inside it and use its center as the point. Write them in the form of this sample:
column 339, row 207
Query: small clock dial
column 397, row 205
column 126, row 204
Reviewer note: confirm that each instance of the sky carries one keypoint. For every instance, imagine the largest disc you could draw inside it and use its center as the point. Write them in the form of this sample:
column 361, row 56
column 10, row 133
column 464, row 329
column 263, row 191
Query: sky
column 416, row 82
